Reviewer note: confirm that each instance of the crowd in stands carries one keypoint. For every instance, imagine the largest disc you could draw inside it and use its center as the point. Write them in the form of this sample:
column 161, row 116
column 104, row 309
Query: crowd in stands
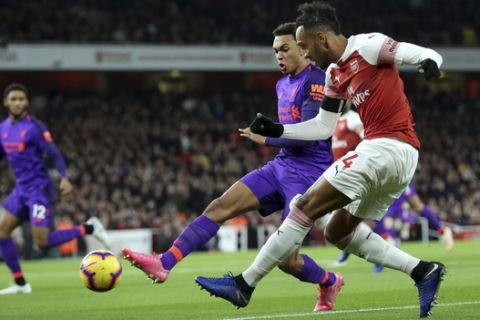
column 156, row 161
column 426, row 22
column 449, row 164
column 139, row 162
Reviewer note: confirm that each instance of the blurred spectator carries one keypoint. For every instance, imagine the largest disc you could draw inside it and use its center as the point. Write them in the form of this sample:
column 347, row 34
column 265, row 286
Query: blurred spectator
column 425, row 22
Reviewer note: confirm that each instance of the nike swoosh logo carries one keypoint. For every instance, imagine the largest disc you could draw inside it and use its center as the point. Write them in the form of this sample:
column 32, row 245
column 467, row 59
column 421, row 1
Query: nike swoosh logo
column 435, row 267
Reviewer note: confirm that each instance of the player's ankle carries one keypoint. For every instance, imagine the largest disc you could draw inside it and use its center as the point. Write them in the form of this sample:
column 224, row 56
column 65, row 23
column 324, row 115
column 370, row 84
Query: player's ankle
column 419, row 272
column 88, row 228
column 243, row 285
column 20, row 281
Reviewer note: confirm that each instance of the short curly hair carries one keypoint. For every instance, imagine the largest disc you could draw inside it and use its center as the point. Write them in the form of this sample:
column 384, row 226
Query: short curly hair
column 15, row 87
column 318, row 14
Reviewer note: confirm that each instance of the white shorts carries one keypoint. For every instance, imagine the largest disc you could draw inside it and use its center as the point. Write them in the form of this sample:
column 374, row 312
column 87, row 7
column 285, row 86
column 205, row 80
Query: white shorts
column 373, row 175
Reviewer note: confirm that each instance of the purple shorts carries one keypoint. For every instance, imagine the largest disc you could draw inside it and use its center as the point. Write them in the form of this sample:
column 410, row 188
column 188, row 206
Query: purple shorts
column 36, row 204
column 276, row 183
column 396, row 208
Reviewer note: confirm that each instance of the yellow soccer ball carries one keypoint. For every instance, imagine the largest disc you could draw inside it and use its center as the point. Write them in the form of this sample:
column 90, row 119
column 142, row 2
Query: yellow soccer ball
column 100, row 271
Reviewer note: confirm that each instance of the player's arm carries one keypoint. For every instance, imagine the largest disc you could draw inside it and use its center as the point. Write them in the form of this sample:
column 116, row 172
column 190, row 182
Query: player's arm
column 381, row 49
column 49, row 148
column 309, row 111
column 319, row 128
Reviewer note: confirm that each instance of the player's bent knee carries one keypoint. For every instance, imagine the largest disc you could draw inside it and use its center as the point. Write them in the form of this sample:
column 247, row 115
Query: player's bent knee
column 303, row 200
column 330, row 236
column 337, row 239
column 41, row 241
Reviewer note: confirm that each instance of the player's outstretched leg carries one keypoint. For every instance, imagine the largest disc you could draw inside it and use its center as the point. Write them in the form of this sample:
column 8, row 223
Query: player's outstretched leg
column 230, row 288
column 158, row 267
column 427, row 275
column 11, row 258
column 148, row 263
column 428, row 287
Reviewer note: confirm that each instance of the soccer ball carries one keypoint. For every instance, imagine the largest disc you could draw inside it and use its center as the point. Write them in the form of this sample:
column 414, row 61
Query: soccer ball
column 100, row 270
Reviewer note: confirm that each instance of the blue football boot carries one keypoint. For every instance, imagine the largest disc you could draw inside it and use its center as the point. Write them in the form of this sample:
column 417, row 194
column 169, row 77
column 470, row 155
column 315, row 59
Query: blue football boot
column 226, row 288
column 428, row 288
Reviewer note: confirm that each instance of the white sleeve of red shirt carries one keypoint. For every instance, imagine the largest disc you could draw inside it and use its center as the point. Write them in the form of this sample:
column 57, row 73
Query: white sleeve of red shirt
column 377, row 48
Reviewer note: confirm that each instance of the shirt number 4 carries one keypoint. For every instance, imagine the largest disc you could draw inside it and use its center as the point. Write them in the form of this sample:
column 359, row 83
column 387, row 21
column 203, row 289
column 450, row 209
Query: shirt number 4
column 347, row 162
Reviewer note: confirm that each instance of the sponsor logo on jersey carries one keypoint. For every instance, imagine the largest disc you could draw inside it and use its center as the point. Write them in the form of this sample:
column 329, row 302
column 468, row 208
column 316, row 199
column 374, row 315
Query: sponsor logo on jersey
column 360, row 97
column 317, row 88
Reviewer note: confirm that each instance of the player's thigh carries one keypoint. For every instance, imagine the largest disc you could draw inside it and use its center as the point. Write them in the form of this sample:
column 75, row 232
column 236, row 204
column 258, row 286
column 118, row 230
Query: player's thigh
column 293, row 184
column 236, row 200
column 256, row 190
column 41, row 206
column 8, row 222
column 374, row 175
column 321, row 198
column 15, row 212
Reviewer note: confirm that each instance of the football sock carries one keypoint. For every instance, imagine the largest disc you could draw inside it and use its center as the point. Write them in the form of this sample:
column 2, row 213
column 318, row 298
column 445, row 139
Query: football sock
column 87, row 229
column 313, row 273
column 370, row 246
column 10, row 256
column 420, row 270
column 193, row 237
column 432, row 218
column 59, row 237
column 243, row 286
column 280, row 245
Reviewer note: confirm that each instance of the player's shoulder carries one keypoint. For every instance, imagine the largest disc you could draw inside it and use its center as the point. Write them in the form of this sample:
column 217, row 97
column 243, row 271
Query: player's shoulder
column 315, row 72
column 314, row 75
column 362, row 41
column 36, row 123
column 367, row 36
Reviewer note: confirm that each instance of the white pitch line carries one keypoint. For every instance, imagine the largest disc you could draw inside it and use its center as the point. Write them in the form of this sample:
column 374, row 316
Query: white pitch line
column 294, row 315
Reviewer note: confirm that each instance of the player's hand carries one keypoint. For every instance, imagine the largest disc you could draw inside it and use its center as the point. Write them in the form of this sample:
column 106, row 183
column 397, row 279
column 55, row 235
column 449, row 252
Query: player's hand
column 66, row 187
column 266, row 127
column 429, row 68
column 448, row 241
column 247, row 133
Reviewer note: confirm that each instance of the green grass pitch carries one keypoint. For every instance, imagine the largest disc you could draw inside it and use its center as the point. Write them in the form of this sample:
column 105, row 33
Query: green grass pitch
column 58, row 292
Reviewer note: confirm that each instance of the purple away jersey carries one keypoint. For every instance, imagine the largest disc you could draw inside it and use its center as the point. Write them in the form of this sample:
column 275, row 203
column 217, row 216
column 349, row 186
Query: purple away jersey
column 299, row 163
column 25, row 143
